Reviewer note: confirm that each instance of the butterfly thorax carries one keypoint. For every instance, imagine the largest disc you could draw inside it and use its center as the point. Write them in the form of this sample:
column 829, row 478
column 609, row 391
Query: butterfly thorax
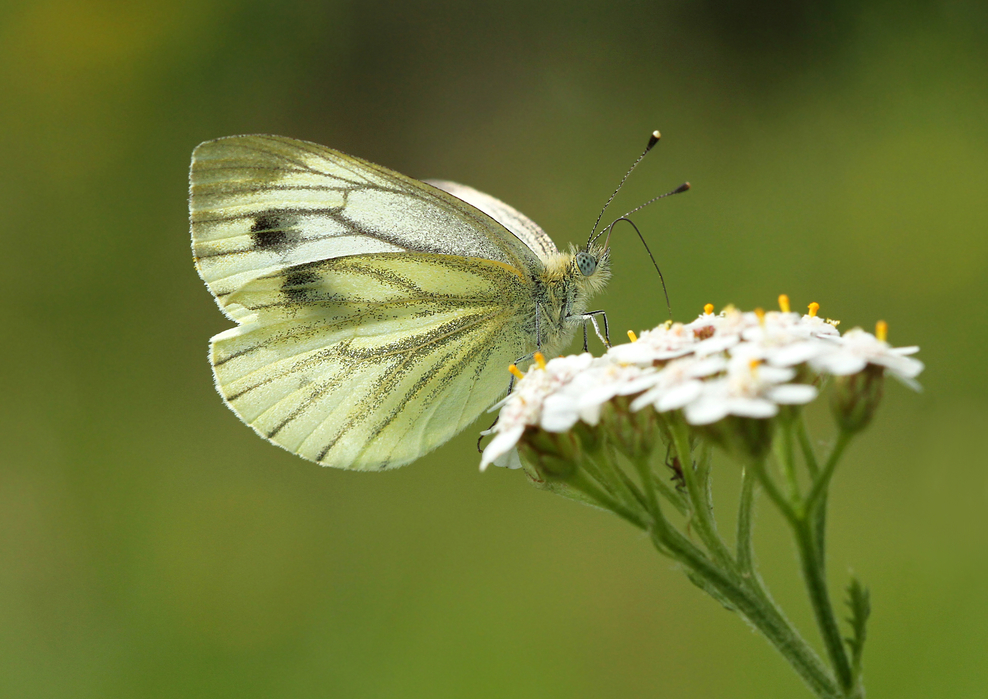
column 562, row 295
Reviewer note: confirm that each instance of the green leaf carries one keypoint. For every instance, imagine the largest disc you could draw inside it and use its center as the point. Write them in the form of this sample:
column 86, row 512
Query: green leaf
column 859, row 601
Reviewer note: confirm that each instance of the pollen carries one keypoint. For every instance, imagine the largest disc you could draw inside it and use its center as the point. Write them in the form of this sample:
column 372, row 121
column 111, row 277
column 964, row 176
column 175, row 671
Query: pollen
column 882, row 330
column 814, row 307
column 632, row 336
column 708, row 309
column 539, row 359
column 783, row 303
column 515, row 371
column 753, row 364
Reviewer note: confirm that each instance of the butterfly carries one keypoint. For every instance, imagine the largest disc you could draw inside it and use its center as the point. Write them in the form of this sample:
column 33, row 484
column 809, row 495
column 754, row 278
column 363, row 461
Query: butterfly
column 376, row 314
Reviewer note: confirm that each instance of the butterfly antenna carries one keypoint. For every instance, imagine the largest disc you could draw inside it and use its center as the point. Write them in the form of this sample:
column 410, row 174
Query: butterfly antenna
column 684, row 187
column 652, row 140
column 650, row 256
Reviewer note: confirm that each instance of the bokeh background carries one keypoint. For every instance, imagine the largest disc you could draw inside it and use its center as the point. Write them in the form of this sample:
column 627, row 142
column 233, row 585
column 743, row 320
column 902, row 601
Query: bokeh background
column 152, row 546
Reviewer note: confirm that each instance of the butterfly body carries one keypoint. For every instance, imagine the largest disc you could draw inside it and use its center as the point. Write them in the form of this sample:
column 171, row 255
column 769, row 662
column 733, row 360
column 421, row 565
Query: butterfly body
column 376, row 313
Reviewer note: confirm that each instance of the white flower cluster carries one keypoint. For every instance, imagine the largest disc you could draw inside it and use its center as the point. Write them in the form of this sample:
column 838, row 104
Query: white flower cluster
column 731, row 363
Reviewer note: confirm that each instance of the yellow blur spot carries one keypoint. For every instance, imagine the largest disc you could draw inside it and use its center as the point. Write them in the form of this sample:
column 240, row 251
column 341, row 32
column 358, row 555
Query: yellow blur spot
column 708, row 309
column 784, row 303
column 515, row 371
column 814, row 307
column 882, row 330
column 760, row 312
column 632, row 336
column 540, row 360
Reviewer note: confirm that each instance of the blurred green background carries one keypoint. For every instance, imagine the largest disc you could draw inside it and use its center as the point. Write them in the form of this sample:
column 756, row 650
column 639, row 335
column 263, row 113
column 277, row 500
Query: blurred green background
column 152, row 546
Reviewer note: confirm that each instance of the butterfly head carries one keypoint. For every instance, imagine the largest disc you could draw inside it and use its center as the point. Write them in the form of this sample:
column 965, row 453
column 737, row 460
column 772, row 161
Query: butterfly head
column 586, row 263
column 593, row 268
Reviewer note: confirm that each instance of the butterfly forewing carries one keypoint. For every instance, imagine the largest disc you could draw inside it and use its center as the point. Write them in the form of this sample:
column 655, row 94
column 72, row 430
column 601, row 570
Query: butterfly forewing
column 262, row 203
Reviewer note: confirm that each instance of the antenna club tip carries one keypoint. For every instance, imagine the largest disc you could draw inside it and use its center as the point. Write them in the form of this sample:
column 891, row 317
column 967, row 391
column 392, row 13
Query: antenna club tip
column 683, row 187
column 652, row 140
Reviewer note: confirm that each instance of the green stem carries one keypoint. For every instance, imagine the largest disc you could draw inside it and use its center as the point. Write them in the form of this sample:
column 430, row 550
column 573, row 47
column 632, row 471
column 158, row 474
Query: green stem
column 822, row 481
column 746, row 510
column 818, row 514
column 580, row 482
column 614, row 480
column 648, row 483
column 702, row 515
column 670, row 494
column 745, row 543
column 754, row 609
column 823, row 610
column 785, row 453
column 806, row 445
column 774, row 494
column 813, row 575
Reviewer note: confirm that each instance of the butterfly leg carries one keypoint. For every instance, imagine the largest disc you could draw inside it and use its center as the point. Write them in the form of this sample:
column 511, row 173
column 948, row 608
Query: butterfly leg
column 591, row 316
column 538, row 330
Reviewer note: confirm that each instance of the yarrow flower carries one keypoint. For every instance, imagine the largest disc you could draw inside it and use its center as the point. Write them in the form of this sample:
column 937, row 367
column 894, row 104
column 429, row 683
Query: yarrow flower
column 524, row 406
column 856, row 349
column 631, row 433
column 731, row 364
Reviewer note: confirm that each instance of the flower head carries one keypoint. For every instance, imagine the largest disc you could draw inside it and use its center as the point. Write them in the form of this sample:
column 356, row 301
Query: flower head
column 730, row 367
column 523, row 407
column 856, row 349
column 667, row 341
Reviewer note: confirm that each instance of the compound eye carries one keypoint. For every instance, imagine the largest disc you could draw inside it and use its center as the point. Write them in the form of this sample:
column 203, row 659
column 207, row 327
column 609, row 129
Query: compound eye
column 586, row 263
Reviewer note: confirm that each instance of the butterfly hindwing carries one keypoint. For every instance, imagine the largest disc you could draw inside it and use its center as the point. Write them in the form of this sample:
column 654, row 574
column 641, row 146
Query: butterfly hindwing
column 369, row 361
column 515, row 221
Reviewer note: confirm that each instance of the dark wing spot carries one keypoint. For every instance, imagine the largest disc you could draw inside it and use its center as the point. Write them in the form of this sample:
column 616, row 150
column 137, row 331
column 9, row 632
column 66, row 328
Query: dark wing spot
column 269, row 232
column 296, row 283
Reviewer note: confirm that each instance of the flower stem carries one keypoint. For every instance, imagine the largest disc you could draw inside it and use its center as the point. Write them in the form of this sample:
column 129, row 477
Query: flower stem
column 807, row 520
column 822, row 481
column 670, row 494
column 746, row 510
column 580, row 482
column 756, row 610
column 614, row 480
column 806, row 445
column 816, row 587
column 699, row 504
column 774, row 494
column 785, row 453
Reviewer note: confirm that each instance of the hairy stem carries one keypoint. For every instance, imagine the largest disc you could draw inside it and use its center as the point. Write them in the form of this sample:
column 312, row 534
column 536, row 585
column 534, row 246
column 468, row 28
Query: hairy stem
column 699, row 503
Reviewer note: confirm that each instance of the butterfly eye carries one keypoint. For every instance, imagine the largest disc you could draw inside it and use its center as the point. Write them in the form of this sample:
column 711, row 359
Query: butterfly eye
column 586, row 263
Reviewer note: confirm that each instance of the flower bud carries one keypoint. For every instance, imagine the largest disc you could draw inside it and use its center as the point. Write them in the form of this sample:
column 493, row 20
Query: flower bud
column 855, row 397
column 746, row 438
column 551, row 455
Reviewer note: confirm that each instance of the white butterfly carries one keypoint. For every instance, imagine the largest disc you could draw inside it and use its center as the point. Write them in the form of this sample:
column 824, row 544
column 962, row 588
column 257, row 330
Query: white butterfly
column 376, row 314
